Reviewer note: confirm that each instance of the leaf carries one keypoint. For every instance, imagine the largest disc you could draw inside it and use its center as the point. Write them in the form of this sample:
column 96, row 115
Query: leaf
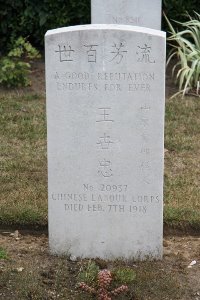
column 187, row 48
column 43, row 18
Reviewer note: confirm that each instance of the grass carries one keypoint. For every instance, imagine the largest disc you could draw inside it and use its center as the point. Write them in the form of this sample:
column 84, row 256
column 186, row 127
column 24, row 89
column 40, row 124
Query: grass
column 23, row 161
column 23, row 182
column 3, row 253
column 155, row 282
column 37, row 282
column 182, row 163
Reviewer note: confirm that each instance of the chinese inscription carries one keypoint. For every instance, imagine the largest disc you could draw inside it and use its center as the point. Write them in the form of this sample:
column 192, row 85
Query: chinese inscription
column 145, row 165
column 104, row 142
column 118, row 52
column 104, row 115
column 65, row 54
column 91, row 53
column 144, row 54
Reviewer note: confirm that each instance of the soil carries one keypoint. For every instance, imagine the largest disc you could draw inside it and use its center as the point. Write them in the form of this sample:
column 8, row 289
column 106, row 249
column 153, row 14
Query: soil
column 27, row 249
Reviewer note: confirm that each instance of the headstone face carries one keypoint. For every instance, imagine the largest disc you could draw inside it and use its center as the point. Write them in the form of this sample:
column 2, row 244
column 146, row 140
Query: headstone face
column 105, row 123
column 145, row 13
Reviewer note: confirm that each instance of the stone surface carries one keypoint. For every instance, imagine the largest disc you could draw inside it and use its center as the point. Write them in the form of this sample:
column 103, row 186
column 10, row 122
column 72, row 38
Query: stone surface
column 105, row 117
column 143, row 13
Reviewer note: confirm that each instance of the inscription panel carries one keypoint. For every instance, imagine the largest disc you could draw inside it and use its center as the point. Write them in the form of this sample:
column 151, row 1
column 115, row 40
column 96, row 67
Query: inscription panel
column 105, row 120
column 143, row 13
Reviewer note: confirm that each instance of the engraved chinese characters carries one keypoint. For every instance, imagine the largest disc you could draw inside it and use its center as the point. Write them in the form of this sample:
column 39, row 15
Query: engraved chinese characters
column 143, row 13
column 105, row 117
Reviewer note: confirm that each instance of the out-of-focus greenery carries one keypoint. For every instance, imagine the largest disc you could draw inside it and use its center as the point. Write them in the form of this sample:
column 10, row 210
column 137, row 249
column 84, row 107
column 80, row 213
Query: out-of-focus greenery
column 178, row 10
column 13, row 69
column 32, row 18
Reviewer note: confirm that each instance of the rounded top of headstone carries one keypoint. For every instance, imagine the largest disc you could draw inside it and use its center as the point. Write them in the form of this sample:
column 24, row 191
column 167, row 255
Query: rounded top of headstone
column 106, row 27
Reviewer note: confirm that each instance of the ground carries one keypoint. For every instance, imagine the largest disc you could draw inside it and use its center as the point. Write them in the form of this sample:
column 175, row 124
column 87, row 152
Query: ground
column 28, row 271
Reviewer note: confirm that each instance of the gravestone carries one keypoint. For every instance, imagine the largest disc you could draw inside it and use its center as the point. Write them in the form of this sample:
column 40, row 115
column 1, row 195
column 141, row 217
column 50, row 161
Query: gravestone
column 143, row 13
column 105, row 122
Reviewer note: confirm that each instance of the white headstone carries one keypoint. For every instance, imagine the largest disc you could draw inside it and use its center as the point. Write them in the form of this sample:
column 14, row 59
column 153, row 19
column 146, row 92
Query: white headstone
column 145, row 13
column 105, row 117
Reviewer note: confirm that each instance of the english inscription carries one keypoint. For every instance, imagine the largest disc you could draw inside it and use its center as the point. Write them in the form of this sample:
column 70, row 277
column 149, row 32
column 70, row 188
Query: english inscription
column 105, row 82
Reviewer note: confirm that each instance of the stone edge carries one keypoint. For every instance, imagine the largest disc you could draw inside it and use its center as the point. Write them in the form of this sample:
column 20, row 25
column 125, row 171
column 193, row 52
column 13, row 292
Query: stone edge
column 106, row 27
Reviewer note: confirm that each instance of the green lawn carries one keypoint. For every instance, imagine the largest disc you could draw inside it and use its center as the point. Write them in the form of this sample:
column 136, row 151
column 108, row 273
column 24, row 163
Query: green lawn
column 23, row 162
column 182, row 162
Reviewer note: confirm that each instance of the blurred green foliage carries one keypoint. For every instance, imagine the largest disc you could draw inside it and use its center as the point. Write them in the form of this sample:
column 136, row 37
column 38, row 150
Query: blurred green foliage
column 13, row 69
column 32, row 18
column 177, row 10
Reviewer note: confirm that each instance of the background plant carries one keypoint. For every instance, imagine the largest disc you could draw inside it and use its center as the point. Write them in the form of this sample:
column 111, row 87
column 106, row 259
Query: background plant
column 88, row 273
column 14, row 69
column 3, row 253
column 105, row 284
column 103, row 292
column 124, row 275
column 186, row 48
